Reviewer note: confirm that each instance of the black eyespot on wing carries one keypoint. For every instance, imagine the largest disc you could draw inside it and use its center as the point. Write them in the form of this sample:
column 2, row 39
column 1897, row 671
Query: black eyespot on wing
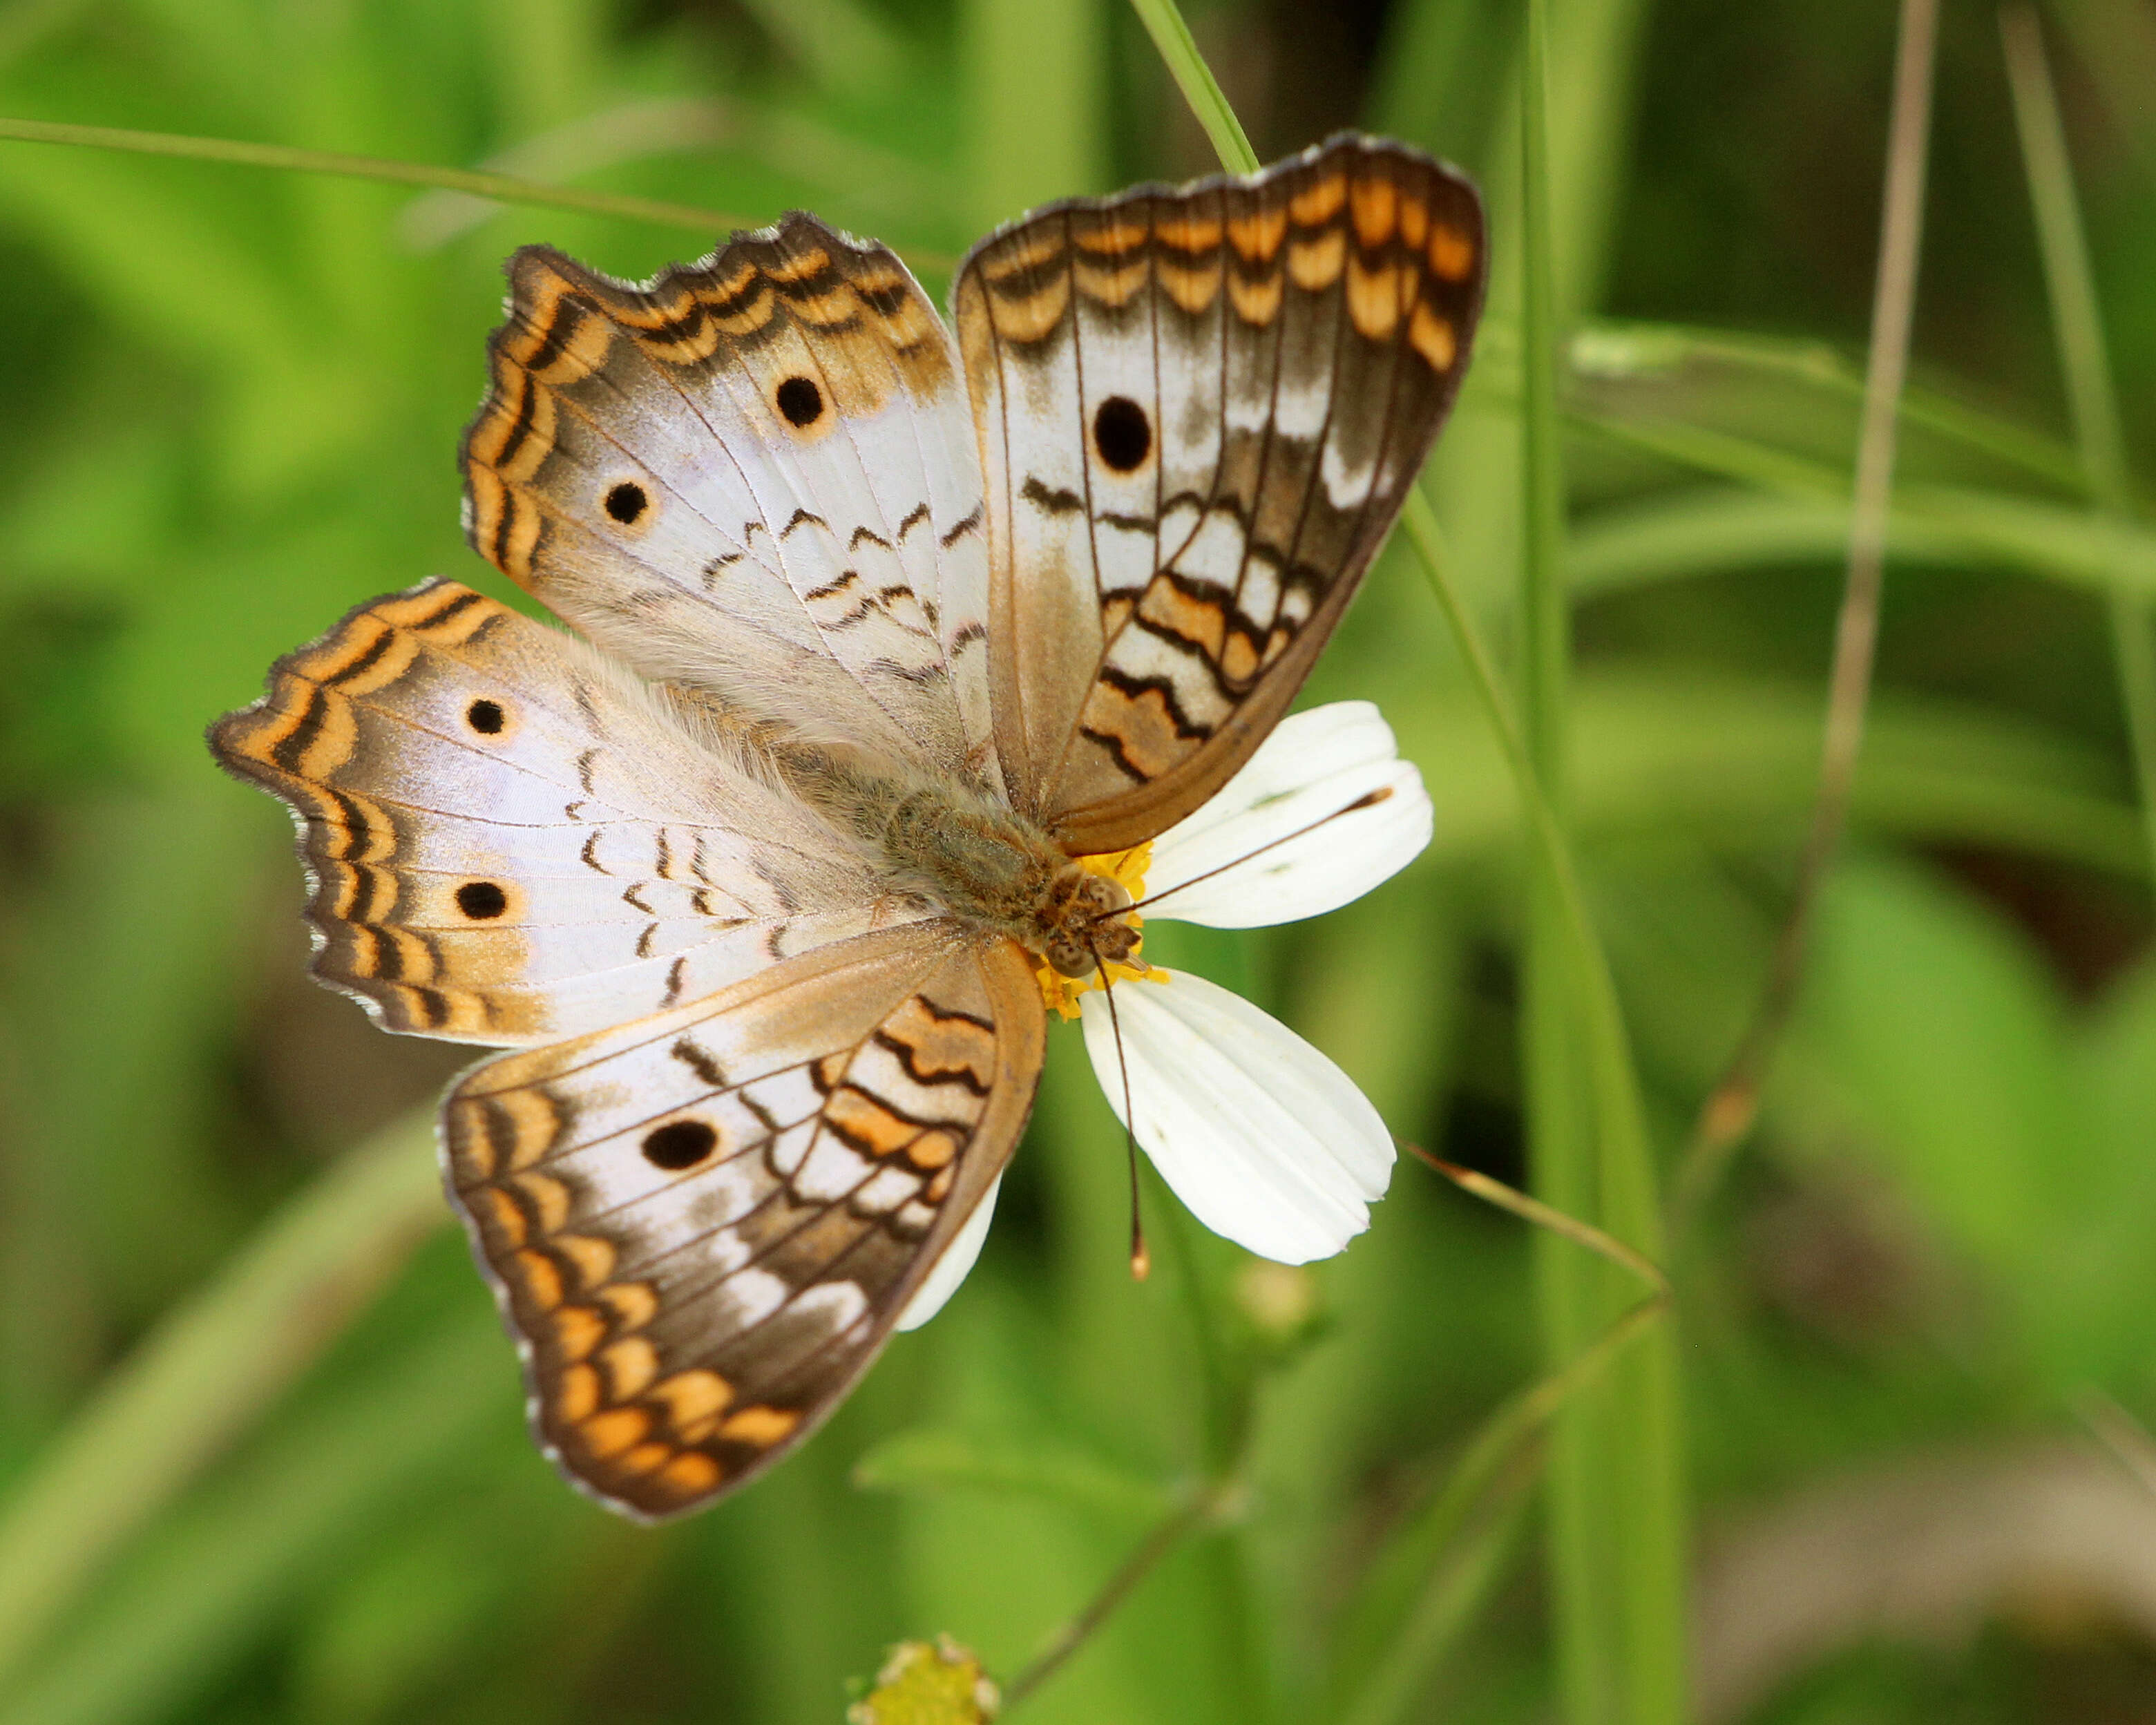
column 482, row 900
column 801, row 401
column 679, row 1144
column 485, row 716
column 1122, row 433
column 626, row 503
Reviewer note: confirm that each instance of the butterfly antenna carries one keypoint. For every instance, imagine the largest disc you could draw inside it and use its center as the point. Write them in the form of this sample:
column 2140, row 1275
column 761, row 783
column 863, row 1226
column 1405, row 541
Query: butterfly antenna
column 1141, row 1259
column 1369, row 800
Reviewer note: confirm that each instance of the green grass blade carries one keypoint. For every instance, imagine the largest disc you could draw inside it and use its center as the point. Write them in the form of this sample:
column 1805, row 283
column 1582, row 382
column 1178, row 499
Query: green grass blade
column 1973, row 526
column 205, row 1374
column 506, row 188
column 1598, row 1064
column 1631, row 356
column 1709, row 530
column 1616, row 1526
column 1178, row 51
column 1560, row 1143
column 2083, row 358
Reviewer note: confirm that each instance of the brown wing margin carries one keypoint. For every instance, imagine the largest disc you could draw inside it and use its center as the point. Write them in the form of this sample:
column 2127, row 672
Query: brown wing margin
column 576, row 336
column 701, row 1226
column 307, row 741
column 1354, row 272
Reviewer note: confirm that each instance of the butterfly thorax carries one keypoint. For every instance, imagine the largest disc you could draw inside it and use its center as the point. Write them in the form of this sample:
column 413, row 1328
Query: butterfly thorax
column 964, row 851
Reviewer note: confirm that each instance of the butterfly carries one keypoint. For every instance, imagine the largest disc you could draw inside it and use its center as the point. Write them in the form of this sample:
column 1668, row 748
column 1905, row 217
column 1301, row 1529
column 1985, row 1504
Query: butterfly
column 890, row 633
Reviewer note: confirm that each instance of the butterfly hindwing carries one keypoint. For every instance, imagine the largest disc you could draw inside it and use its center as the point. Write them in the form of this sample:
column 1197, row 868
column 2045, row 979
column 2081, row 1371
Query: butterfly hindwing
column 757, row 474
column 702, row 1225
column 1200, row 409
column 510, row 839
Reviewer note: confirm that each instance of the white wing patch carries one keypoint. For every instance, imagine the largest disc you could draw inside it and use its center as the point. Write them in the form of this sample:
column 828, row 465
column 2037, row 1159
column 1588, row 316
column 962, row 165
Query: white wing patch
column 512, row 841
column 757, row 475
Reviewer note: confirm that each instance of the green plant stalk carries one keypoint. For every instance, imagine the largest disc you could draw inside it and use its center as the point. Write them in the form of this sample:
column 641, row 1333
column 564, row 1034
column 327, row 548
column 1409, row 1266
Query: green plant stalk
column 1214, row 1504
column 204, row 1374
column 1642, row 1468
column 506, row 188
column 2078, row 322
column 1619, row 1117
column 1561, row 1146
column 1616, row 1537
column 1576, row 986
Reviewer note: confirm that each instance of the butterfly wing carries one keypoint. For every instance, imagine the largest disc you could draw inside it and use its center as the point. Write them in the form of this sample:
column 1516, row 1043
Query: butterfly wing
column 508, row 839
column 1198, row 411
column 702, row 1225
column 756, row 474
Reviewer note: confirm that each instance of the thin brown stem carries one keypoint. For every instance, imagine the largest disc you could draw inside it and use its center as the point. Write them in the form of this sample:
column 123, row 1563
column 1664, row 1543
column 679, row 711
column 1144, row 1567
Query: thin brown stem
column 1727, row 1117
column 1542, row 1215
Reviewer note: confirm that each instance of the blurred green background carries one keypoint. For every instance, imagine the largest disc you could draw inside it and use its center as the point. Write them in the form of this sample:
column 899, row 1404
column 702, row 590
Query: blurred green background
column 1917, row 1321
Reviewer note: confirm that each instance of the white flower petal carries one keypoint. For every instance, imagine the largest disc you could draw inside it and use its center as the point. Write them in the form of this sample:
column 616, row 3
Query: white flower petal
column 1263, row 1139
column 958, row 1257
column 1314, row 765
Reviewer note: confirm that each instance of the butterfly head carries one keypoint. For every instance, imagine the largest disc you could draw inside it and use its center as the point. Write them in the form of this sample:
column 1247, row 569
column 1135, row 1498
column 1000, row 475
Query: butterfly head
column 1085, row 929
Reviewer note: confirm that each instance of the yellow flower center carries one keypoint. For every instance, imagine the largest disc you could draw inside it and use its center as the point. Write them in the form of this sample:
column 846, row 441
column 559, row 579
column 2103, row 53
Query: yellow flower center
column 1128, row 869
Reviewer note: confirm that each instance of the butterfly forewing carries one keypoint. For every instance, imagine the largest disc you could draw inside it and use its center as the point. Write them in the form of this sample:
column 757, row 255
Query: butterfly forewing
column 756, row 474
column 509, row 839
column 703, row 1225
column 1198, row 411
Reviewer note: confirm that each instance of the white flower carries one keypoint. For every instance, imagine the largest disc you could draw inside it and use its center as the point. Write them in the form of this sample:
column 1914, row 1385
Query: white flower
column 1261, row 1136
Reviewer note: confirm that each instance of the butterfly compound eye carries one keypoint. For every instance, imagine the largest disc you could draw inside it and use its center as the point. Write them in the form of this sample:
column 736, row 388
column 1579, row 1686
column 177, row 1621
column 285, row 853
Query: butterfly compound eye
column 626, row 503
column 679, row 1144
column 801, row 401
column 1122, row 434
